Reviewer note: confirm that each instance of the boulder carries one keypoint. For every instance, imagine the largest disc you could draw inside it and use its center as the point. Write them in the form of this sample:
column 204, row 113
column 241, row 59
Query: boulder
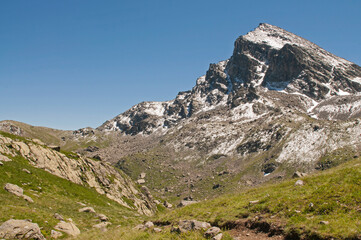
column 149, row 224
column 177, row 229
column 26, row 170
column 299, row 183
column 1, row 163
column 14, row 189
column 212, row 232
column 157, row 230
column 103, row 218
column 254, row 202
column 28, row 199
column 167, row 204
column 142, row 175
column 55, row 234
column 193, row 225
column 102, row 226
column 20, row 229
column 58, row 216
column 217, row 237
column 68, row 227
column 141, row 181
column 298, row 174
column 184, row 203
column 87, row 209
column 324, row 222
column 4, row 158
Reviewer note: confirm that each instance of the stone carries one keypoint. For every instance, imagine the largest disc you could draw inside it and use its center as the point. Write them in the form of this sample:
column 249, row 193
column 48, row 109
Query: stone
column 299, row 183
column 184, row 203
column 141, row 181
column 193, row 225
column 212, row 232
column 28, row 199
column 38, row 141
column 26, row 170
column 4, row 158
column 157, row 202
column 142, row 175
column 149, row 224
column 140, row 227
column 1, row 163
column 58, row 216
column 157, row 230
column 55, row 234
column 103, row 218
column 102, row 226
column 87, row 209
column 14, row 189
column 254, row 202
column 68, row 227
column 20, row 229
column 217, row 237
column 167, row 204
column 178, row 230
column 54, row 147
column 298, row 174
column 324, row 222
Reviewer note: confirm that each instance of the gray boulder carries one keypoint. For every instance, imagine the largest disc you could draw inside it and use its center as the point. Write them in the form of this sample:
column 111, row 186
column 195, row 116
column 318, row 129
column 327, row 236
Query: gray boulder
column 193, row 225
column 20, row 229
column 14, row 189
column 299, row 183
column 217, row 237
column 103, row 218
column 212, row 232
column 4, row 158
column 68, row 227
column 58, row 216
column 55, row 234
column 87, row 209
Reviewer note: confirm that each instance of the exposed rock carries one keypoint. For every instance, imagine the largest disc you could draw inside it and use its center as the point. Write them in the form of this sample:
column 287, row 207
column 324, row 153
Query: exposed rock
column 87, row 209
column 167, row 204
column 142, row 175
column 217, row 237
column 55, row 234
column 299, row 183
column 84, row 171
column 81, row 204
column 54, row 147
column 193, row 225
column 178, row 229
column 26, row 170
column 149, row 224
column 254, row 202
column 298, row 174
column 58, row 216
column 102, row 226
column 68, row 227
column 103, row 218
column 157, row 230
column 38, row 141
column 1, row 163
column 324, row 222
column 184, row 203
column 14, row 189
column 20, row 229
column 157, row 201
column 212, row 232
column 92, row 149
column 4, row 158
column 141, row 181
column 28, row 199
column 140, row 227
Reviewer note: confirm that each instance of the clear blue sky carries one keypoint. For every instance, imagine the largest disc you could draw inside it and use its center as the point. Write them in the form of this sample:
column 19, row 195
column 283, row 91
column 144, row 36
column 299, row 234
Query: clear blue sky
column 69, row 64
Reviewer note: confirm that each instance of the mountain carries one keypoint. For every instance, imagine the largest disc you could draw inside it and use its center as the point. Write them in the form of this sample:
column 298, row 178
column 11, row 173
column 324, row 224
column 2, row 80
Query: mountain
column 264, row 60
column 279, row 104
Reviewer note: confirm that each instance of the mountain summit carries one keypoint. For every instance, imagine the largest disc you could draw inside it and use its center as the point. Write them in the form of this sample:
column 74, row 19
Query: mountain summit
column 266, row 60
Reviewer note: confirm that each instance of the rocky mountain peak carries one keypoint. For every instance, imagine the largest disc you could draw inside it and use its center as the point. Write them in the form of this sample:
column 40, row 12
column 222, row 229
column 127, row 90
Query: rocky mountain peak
column 265, row 60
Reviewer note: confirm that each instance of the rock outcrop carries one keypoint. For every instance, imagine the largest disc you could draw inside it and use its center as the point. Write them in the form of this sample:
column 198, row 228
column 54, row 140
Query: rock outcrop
column 102, row 176
column 20, row 229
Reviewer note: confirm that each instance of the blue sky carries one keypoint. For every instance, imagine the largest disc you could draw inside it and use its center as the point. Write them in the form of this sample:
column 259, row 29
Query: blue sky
column 75, row 63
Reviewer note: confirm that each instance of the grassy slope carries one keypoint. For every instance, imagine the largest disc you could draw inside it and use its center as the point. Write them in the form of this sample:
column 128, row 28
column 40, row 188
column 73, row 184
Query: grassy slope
column 52, row 194
column 335, row 195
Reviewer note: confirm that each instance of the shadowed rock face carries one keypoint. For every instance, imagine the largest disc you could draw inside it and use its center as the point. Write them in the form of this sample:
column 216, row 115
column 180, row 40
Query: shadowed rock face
column 267, row 58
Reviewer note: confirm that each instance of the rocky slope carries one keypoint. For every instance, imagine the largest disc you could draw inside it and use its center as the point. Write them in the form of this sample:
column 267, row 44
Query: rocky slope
column 80, row 170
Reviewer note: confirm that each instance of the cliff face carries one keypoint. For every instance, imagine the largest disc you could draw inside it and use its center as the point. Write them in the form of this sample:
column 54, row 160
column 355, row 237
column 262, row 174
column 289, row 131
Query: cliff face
column 84, row 171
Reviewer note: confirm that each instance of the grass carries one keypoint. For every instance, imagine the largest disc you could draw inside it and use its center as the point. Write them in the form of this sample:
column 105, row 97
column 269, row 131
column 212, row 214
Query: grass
column 52, row 194
column 333, row 195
